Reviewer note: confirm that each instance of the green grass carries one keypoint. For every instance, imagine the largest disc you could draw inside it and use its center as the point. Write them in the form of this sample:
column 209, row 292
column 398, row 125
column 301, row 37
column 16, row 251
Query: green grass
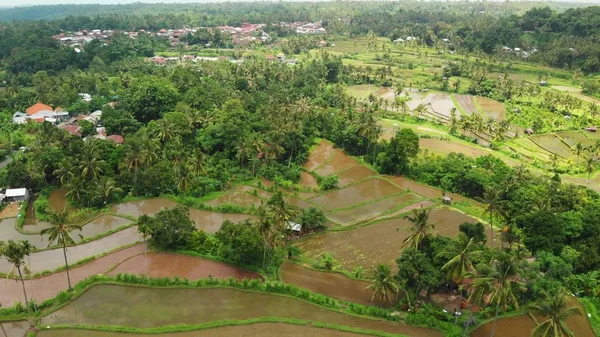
column 592, row 307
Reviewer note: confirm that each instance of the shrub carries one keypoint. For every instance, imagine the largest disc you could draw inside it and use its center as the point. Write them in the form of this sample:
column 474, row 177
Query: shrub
column 329, row 182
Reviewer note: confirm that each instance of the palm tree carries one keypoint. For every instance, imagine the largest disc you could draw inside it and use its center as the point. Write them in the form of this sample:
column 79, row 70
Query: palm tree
column 555, row 309
column 460, row 254
column 421, row 227
column 383, row 284
column 500, row 284
column 15, row 253
column 59, row 233
column 184, row 177
column 589, row 167
column 578, row 150
column 419, row 110
column 65, row 171
column 492, row 196
column 90, row 162
column 104, row 190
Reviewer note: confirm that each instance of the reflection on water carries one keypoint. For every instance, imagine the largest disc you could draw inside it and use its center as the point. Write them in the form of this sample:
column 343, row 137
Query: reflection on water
column 154, row 264
column 368, row 190
column 251, row 330
column 136, row 307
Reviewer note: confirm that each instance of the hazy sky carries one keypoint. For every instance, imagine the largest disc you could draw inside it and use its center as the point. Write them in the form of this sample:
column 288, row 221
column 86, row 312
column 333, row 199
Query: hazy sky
column 14, row 3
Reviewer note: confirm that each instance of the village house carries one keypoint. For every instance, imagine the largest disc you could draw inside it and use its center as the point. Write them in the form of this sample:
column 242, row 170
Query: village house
column 39, row 113
column 14, row 194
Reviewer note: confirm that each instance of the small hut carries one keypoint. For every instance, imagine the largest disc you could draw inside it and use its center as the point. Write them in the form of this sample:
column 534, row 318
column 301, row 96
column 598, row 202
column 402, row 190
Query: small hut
column 447, row 200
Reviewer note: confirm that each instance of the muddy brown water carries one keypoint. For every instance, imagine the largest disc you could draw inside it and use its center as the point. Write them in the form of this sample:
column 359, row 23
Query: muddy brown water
column 339, row 161
column 58, row 200
column 376, row 243
column 140, row 207
column 250, row 330
column 369, row 211
column 519, row 326
column 95, row 227
column 427, row 191
column 319, row 155
column 308, row 180
column 331, row 284
column 368, row 190
column 239, row 195
column 466, row 103
column 136, row 307
column 48, row 286
column 15, row 329
column 53, row 258
column 355, row 174
column 211, row 222
column 154, row 264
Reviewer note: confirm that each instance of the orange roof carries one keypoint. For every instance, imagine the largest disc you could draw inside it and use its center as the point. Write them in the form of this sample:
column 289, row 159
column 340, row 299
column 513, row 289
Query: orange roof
column 37, row 107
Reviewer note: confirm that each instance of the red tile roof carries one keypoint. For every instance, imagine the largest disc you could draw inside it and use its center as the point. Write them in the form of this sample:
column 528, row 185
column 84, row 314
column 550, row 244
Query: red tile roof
column 116, row 138
column 37, row 107
column 73, row 129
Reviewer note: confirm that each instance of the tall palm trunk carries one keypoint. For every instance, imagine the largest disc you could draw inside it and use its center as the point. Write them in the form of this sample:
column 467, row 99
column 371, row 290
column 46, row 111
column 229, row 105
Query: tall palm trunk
column 4, row 331
column 491, row 230
column 66, row 262
column 495, row 319
column 23, row 284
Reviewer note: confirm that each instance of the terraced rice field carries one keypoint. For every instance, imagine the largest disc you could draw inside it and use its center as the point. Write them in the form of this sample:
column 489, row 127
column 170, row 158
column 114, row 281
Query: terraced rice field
column 518, row 326
column 136, row 307
column 367, row 191
column 553, row 144
column 365, row 212
column 354, row 174
column 250, row 330
column 467, row 104
column 491, row 108
column 338, row 161
column 379, row 242
column 572, row 138
column 319, row 155
column 332, row 284
column 240, row 195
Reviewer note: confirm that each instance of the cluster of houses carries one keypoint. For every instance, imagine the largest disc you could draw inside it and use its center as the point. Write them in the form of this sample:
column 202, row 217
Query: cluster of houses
column 163, row 61
column 305, row 27
column 40, row 112
column 518, row 51
column 245, row 34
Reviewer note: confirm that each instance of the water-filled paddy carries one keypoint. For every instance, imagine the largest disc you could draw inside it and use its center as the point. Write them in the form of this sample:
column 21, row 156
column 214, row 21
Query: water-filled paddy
column 366, row 191
column 319, row 155
column 211, row 222
column 154, row 264
column 574, row 137
column 308, row 180
column 354, row 174
column 518, row 326
column 140, row 207
column 376, row 243
column 250, row 330
column 369, row 211
column 240, row 196
column 551, row 143
column 136, row 307
column 331, row 284
column 338, row 161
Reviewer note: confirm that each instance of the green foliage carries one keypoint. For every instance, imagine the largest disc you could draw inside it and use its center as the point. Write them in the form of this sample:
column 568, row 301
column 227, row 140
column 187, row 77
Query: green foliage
column 312, row 219
column 149, row 98
column 87, row 128
column 394, row 157
column 169, row 229
column 240, row 242
column 476, row 231
column 416, row 272
column 329, row 182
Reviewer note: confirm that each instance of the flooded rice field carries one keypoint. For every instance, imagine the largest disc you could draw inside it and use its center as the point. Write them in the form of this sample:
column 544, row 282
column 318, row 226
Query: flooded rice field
column 140, row 207
column 355, row 174
column 53, row 258
column 250, row 330
column 574, row 137
column 319, row 155
column 153, row 264
column 135, row 307
column 15, row 329
column 423, row 190
column 518, row 326
column 58, row 200
column 358, row 214
column 308, row 180
column 48, row 286
column 331, row 284
column 366, row 191
column 379, row 242
column 299, row 203
column 552, row 143
column 467, row 104
column 338, row 161
column 211, row 222
column 240, row 195
column 491, row 108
